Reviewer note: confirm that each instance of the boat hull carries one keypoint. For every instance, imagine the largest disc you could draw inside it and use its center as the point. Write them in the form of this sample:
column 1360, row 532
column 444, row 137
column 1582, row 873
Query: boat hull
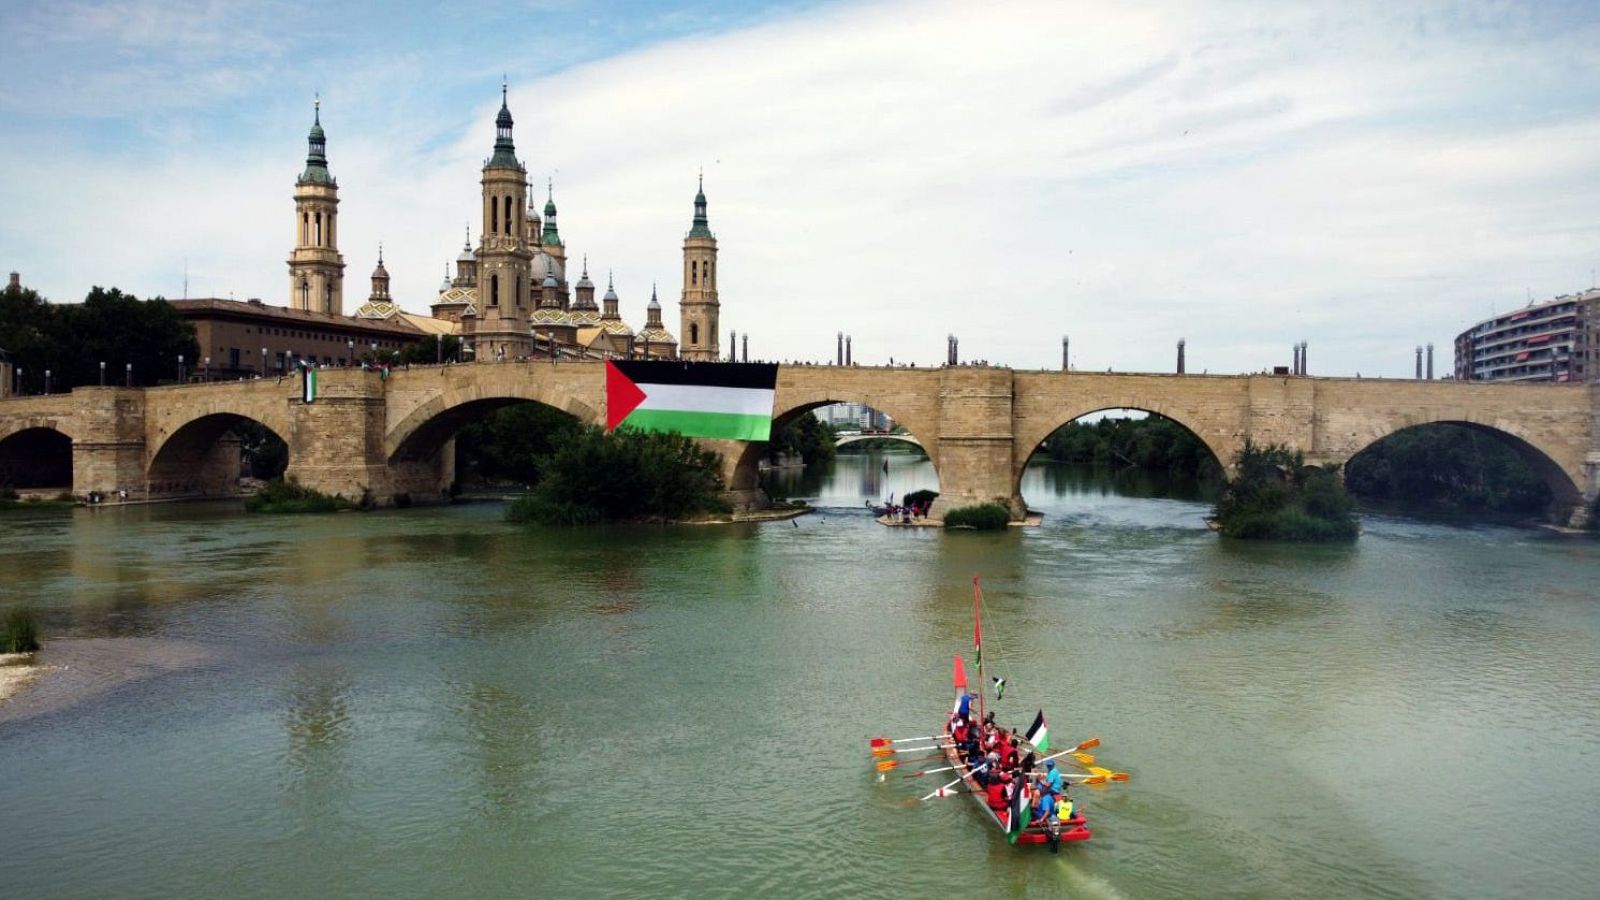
column 1075, row 829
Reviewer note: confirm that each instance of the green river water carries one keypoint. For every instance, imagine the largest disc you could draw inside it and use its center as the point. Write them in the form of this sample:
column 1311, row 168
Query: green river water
column 433, row 702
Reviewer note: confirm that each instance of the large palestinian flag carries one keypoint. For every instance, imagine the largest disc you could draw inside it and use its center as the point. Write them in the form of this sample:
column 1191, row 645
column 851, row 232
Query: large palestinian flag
column 732, row 401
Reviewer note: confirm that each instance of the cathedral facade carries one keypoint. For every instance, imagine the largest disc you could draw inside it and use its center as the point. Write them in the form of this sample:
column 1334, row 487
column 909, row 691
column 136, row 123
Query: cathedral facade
column 510, row 296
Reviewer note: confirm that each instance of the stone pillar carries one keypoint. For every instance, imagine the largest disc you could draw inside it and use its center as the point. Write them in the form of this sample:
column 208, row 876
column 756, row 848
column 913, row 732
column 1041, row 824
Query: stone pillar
column 975, row 441
column 1180, row 356
column 1419, row 362
column 114, row 458
column 336, row 442
column 744, row 347
column 1064, row 359
column 1430, row 362
column 7, row 376
column 847, row 360
column 839, row 349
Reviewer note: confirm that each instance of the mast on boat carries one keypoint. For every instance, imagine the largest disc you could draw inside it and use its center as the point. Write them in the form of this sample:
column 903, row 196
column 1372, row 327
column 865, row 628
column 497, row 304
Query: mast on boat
column 977, row 639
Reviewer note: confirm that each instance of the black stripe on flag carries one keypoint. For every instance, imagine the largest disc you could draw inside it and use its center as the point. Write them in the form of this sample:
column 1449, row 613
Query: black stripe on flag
column 763, row 376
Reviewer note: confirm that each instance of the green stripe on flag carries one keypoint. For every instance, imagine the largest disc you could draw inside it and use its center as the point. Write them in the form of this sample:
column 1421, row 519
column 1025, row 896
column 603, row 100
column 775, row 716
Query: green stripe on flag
column 727, row 426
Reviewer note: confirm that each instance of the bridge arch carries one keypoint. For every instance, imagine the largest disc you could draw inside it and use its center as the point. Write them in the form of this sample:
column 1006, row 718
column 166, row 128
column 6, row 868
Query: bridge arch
column 1222, row 447
column 201, row 457
column 37, row 456
column 743, row 472
column 1566, row 491
column 424, row 431
column 903, row 437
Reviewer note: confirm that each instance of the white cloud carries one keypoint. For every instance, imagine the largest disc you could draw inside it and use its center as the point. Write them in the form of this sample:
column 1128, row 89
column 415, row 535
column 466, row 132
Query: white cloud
column 1241, row 175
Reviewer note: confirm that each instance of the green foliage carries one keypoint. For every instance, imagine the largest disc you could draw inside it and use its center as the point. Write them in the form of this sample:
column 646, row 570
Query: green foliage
column 983, row 517
column 917, row 498
column 627, row 475
column 71, row 340
column 428, row 351
column 1447, row 468
column 1275, row 496
column 507, row 444
column 18, row 633
column 806, row 436
column 280, row 496
column 1152, row 443
column 7, row 494
column 262, row 450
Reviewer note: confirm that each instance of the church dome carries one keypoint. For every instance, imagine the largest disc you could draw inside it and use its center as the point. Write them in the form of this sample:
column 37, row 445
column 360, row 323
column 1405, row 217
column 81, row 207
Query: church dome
column 467, row 255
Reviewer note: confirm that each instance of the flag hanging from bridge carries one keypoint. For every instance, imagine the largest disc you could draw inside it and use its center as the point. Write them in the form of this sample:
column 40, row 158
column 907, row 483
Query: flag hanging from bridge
column 732, row 401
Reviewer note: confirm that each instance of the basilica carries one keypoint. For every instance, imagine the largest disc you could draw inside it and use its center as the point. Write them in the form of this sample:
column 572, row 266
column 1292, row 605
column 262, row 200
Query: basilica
column 510, row 297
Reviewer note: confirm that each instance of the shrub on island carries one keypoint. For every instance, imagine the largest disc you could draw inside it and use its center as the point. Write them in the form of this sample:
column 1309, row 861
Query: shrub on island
column 622, row 476
column 288, row 496
column 983, row 517
column 18, row 633
column 1276, row 496
column 918, row 498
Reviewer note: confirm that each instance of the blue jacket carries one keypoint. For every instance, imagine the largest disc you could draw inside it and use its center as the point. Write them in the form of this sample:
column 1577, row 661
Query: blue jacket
column 1052, row 777
column 1046, row 808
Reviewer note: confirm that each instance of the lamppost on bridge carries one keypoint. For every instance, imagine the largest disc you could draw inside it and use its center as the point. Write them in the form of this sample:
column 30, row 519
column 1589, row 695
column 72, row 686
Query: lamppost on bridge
column 180, row 368
column 838, row 358
column 22, row 385
column 263, row 362
column 47, row 381
column 733, row 346
column 1064, row 345
column 745, row 346
column 127, row 375
column 374, row 352
column 847, row 359
column 1430, row 362
column 206, row 372
column 102, row 373
column 350, row 356
column 1180, row 356
column 1419, row 363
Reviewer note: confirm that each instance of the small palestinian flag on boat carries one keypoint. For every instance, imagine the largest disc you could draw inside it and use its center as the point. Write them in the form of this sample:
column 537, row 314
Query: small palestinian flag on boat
column 730, row 401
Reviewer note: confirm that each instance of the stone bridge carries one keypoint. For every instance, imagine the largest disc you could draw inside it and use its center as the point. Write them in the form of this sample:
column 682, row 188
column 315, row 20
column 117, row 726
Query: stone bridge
column 845, row 440
column 393, row 437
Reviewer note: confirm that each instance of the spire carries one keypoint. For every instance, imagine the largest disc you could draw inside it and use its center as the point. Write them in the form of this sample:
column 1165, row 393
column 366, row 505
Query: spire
column 505, row 152
column 702, row 227
column 611, row 286
column 583, row 280
column 317, row 149
column 552, row 236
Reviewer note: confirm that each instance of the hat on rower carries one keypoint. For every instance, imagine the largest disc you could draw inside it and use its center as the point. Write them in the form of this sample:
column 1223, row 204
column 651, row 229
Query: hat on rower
column 1049, row 764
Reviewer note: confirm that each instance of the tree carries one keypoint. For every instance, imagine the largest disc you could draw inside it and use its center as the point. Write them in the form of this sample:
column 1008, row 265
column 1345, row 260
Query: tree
column 426, row 352
column 806, row 435
column 507, row 444
column 71, row 340
column 626, row 475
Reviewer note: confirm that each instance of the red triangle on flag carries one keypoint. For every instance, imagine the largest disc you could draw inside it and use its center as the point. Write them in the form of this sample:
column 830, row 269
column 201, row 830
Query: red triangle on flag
column 622, row 396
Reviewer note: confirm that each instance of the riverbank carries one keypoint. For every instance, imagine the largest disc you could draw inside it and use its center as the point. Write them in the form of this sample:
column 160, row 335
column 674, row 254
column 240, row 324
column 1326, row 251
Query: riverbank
column 17, row 671
column 71, row 670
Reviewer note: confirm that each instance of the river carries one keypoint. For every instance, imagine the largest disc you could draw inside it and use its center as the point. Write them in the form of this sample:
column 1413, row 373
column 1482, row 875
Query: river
column 433, row 702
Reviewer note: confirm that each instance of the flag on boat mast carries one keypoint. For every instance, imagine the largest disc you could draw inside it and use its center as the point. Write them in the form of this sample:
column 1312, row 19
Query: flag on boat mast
column 1038, row 735
column 1021, row 811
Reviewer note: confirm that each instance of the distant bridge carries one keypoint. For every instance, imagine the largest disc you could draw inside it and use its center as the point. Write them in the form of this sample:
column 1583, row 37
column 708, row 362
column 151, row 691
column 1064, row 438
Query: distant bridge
column 855, row 437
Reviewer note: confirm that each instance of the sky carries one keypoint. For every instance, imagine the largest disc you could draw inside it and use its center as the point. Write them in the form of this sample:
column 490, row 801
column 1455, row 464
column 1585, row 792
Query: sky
column 1366, row 177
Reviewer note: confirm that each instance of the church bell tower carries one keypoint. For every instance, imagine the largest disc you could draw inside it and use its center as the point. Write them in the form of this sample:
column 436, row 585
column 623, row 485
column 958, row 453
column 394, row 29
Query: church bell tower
column 698, row 308
column 316, row 270
column 504, row 257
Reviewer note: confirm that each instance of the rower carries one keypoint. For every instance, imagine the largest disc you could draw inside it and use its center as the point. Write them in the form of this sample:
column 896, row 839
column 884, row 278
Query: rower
column 1051, row 776
column 1046, row 807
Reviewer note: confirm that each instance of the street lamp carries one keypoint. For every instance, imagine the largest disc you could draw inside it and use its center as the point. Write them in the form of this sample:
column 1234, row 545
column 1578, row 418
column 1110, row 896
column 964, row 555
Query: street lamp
column 21, row 383
column 102, row 373
column 351, row 344
column 127, row 375
column 180, row 368
column 263, row 362
column 207, row 370
column 47, row 381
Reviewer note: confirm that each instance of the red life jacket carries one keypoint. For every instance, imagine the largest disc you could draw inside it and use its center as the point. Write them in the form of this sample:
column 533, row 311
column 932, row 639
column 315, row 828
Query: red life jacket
column 997, row 795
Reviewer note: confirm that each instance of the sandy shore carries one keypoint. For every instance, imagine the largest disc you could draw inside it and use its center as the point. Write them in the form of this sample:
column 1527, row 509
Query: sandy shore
column 68, row 671
column 17, row 671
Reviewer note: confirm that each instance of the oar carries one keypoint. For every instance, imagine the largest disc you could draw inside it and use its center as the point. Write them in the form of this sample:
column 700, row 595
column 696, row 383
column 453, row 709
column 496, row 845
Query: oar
column 891, row 751
column 884, row 742
column 931, row 771
column 942, row 788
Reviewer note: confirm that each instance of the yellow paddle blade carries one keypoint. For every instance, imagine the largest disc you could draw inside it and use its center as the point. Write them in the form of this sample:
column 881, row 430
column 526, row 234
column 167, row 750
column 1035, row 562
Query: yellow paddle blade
column 1096, row 779
column 1096, row 770
column 882, row 751
column 884, row 765
column 1084, row 758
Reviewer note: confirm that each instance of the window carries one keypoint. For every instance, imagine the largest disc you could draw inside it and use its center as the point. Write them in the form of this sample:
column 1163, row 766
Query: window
column 508, row 217
column 494, row 215
column 694, row 332
column 494, row 290
column 694, row 273
column 319, row 229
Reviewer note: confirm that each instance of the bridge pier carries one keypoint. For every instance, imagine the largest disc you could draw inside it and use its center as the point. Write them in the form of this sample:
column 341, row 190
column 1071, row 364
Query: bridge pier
column 975, row 441
column 336, row 442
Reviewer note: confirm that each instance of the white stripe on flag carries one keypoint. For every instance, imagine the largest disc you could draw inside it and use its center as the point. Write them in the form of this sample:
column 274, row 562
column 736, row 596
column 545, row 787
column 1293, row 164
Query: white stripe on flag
column 703, row 398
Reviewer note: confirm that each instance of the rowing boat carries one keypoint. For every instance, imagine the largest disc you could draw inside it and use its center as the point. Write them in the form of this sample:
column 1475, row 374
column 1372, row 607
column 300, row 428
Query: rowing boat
column 1055, row 830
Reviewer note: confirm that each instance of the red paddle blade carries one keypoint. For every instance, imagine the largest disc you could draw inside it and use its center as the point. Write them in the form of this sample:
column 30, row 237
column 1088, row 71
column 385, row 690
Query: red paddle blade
column 879, row 742
column 1091, row 742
